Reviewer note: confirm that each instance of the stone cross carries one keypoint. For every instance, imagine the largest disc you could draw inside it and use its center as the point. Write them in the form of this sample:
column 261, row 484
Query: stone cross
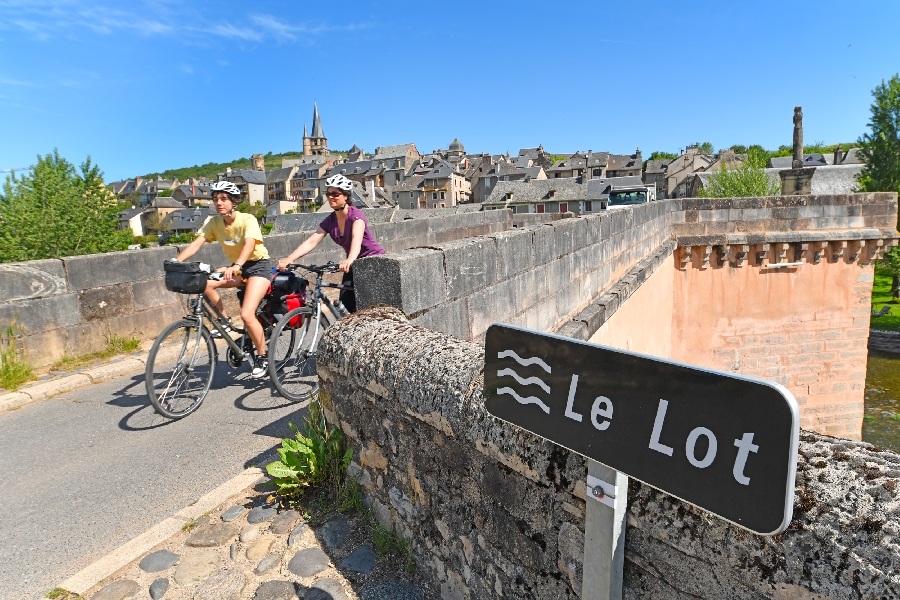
column 798, row 138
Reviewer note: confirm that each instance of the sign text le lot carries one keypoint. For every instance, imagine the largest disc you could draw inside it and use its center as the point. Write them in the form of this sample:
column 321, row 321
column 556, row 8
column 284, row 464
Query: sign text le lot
column 723, row 442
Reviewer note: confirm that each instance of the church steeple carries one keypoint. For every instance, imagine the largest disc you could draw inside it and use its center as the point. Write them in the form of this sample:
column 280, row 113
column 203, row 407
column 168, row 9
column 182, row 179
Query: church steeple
column 304, row 131
column 317, row 124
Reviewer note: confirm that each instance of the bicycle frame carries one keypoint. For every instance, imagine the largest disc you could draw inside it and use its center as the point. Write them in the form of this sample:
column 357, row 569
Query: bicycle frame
column 319, row 298
column 202, row 307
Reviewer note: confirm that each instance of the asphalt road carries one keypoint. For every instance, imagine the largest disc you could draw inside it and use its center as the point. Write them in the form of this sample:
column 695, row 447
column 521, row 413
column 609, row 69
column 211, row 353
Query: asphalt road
column 85, row 472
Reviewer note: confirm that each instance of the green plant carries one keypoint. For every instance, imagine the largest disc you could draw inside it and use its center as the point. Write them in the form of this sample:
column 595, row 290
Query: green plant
column 58, row 593
column 115, row 344
column 267, row 228
column 189, row 526
column 881, row 147
column 166, row 194
column 318, row 456
column 14, row 369
column 57, row 211
column 182, row 238
column 706, row 148
column 747, row 178
column 390, row 542
column 350, row 497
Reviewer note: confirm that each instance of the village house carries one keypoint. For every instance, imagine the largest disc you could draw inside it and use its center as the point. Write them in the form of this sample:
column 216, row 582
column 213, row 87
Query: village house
column 679, row 172
column 192, row 193
column 557, row 195
column 493, row 170
column 251, row 182
column 305, row 181
column 624, row 165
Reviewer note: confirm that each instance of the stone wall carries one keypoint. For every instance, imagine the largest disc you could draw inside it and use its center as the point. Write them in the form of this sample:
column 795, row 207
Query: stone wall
column 537, row 276
column 73, row 305
column 885, row 341
column 493, row 511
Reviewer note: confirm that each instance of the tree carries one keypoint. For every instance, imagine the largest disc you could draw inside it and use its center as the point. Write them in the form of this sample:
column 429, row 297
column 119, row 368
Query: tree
column 891, row 265
column 58, row 211
column 706, row 148
column 739, row 149
column 158, row 223
column 257, row 210
column 748, row 178
column 881, row 146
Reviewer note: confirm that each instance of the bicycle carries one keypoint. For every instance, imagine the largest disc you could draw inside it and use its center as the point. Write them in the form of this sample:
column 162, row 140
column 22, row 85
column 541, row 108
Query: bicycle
column 176, row 390
column 292, row 362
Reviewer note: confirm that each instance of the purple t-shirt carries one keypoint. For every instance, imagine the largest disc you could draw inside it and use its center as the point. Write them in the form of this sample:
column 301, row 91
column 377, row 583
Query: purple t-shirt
column 369, row 246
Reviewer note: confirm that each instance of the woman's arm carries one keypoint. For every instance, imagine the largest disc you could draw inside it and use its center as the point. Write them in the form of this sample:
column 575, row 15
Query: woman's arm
column 359, row 230
column 303, row 249
column 191, row 249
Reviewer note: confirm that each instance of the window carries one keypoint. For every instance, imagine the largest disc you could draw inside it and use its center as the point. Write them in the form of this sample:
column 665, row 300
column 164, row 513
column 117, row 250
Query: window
column 506, row 178
column 540, row 208
column 563, row 207
column 555, row 175
column 487, row 182
column 588, row 206
column 412, row 204
column 442, row 195
column 442, row 205
column 597, row 172
column 397, row 195
column 434, row 195
column 411, row 195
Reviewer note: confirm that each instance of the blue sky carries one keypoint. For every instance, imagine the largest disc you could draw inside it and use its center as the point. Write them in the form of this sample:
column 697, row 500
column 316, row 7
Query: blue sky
column 149, row 85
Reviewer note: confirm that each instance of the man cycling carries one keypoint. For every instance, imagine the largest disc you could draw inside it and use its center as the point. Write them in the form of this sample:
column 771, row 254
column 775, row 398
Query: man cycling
column 241, row 240
column 349, row 229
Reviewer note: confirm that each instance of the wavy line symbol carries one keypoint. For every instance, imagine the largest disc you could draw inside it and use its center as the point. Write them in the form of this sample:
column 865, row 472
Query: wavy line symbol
column 526, row 400
column 527, row 381
column 525, row 362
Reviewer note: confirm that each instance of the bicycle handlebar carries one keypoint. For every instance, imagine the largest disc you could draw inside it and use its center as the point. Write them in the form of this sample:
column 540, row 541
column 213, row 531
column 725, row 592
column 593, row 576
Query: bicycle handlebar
column 329, row 267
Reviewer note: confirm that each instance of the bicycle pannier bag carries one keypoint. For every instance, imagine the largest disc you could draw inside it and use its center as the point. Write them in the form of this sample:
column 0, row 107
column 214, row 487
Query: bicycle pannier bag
column 290, row 290
column 185, row 278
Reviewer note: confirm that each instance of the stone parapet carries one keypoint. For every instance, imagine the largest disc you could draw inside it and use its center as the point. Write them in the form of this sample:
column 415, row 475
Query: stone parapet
column 492, row 510
column 537, row 276
column 72, row 305
column 884, row 341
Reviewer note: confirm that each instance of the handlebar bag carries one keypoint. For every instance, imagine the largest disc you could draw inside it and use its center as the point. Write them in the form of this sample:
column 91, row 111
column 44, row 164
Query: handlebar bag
column 185, row 278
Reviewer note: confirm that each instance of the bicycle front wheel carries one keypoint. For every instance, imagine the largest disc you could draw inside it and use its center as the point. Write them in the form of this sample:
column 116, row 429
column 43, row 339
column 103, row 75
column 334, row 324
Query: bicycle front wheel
column 180, row 369
column 292, row 355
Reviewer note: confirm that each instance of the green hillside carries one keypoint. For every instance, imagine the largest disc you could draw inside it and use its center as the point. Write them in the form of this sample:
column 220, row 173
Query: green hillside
column 273, row 161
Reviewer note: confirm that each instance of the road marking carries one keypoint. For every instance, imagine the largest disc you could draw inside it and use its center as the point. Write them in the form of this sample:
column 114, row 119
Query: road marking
column 91, row 575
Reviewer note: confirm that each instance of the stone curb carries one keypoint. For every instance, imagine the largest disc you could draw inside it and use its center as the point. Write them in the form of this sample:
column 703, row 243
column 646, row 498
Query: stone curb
column 48, row 389
column 91, row 575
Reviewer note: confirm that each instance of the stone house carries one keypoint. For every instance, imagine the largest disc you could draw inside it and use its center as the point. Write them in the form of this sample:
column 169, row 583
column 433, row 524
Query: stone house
column 132, row 219
column 392, row 163
column 589, row 165
column 410, row 193
column 191, row 193
column 680, row 170
column 492, row 171
column 558, row 195
column 278, row 191
column 305, row 181
column 141, row 191
column 445, row 186
column 624, row 165
column 189, row 220
column 251, row 182
column 655, row 173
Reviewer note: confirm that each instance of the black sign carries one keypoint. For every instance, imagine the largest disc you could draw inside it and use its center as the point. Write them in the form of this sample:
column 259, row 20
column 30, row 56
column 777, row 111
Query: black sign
column 723, row 442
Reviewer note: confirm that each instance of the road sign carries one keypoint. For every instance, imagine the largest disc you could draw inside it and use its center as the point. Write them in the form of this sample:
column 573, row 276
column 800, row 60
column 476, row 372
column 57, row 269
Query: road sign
column 720, row 441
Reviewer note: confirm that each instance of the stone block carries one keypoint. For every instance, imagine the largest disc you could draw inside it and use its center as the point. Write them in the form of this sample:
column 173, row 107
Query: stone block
column 542, row 316
column 106, row 302
column 152, row 293
column 494, row 304
column 568, row 299
column 32, row 279
column 470, row 264
column 43, row 313
column 544, row 244
column 412, row 280
column 99, row 270
column 451, row 318
column 514, row 252
column 574, row 329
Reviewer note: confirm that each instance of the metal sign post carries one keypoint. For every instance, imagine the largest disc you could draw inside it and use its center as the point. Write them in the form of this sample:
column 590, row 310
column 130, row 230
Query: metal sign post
column 723, row 442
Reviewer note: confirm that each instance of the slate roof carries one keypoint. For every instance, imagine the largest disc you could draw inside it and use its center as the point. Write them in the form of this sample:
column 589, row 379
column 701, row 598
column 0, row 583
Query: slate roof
column 410, row 184
column 623, row 161
column 128, row 214
column 278, row 175
column 599, row 188
column 302, row 169
column 456, row 146
column 317, row 123
column 853, row 157
column 809, row 160
column 503, row 168
column 441, row 170
column 249, row 175
column 350, row 168
column 161, row 202
column 567, row 189
column 189, row 218
column 574, row 162
column 200, row 191
column 398, row 151
column 657, row 166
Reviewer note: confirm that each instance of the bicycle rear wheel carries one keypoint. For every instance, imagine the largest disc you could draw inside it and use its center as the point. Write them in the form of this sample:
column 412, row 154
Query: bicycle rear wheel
column 180, row 369
column 292, row 357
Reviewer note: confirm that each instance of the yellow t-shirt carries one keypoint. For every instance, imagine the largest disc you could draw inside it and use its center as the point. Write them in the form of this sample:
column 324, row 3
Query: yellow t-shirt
column 232, row 237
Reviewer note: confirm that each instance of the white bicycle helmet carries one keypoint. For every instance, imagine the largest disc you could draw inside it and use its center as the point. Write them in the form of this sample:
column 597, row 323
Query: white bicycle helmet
column 225, row 186
column 340, row 182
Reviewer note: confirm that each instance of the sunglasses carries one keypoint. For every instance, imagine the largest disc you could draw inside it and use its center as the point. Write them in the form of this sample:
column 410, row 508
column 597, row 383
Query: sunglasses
column 334, row 194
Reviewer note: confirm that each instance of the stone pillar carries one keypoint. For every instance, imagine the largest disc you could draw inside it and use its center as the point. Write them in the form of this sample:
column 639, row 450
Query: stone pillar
column 798, row 138
column 259, row 162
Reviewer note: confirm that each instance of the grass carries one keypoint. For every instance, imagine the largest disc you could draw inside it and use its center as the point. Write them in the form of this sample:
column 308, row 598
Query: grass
column 388, row 543
column 116, row 344
column 190, row 525
column 881, row 296
column 14, row 370
column 58, row 593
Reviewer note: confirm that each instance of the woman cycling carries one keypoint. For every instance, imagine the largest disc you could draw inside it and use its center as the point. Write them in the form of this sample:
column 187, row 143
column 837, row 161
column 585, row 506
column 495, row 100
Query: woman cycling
column 349, row 229
column 241, row 240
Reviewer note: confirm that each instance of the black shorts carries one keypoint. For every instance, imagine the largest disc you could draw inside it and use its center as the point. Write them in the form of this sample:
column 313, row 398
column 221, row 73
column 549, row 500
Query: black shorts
column 257, row 268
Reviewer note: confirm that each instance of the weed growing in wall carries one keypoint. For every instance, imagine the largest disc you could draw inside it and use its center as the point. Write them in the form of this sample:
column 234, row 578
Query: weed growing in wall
column 14, row 369
column 315, row 457
column 115, row 345
column 391, row 543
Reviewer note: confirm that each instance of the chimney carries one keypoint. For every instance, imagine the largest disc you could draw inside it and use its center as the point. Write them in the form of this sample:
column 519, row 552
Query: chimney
column 228, row 171
column 370, row 189
column 137, row 181
column 838, row 155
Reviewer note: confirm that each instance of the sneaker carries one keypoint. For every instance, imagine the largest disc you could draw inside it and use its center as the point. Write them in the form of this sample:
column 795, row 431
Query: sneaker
column 226, row 325
column 260, row 367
